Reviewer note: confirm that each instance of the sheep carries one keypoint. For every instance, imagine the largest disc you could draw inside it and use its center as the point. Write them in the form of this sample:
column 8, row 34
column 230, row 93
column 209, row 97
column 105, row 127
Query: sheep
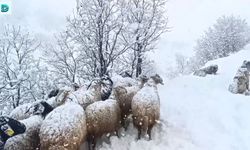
column 21, row 112
column 107, row 86
column 212, row 69
column 53, row 93
column 102, row 117
column 87, row 97
column 64, row 128
column 122, row 81
column 42, row 108
column 26, row 110
column 9, row 127
column 146, row 106
column 59, row 99
column 246, row 64
column 30, row 139
column 241, row 82
column 124, row 96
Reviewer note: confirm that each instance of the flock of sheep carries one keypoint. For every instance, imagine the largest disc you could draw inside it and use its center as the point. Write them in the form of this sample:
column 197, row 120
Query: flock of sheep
column 71, row 117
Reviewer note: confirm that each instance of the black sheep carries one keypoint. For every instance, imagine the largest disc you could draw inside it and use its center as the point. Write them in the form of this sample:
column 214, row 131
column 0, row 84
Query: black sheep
column 42, row 108
column 8, row 128
column 107, row 86
column 53, row 93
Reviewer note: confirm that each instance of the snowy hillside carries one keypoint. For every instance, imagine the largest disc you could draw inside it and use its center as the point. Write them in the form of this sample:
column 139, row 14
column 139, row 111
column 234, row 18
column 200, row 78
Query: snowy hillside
column 198, row 113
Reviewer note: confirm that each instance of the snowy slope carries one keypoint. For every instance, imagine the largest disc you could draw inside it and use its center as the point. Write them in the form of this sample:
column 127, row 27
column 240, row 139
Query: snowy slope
column 198, row 113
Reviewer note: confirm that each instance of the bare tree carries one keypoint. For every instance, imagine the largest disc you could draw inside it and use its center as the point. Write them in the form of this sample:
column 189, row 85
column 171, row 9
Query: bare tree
column 182, row 63
column 16, row 52
column 96, row 28
column 65, row 60
column 145, row 23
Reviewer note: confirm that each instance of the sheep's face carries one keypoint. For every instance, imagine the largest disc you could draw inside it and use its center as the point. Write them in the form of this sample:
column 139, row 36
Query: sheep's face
column 144, row 79
column 157, row 79
column 120, row 90
column 95, row 84
column 215, row 68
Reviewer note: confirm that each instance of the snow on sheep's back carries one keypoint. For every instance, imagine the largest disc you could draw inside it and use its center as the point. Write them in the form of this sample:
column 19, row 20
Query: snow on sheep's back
column 198, row 113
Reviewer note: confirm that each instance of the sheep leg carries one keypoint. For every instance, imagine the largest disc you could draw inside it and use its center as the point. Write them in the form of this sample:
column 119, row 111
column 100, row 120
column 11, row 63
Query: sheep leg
column 123, row 122
column 126, row 126
column 139, row 133
column 94, row 143
column 117, row 134
column 149, row 132
column 91, row 142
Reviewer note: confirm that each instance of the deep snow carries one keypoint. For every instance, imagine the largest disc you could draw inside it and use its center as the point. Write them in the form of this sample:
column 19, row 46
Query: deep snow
column 198, row 113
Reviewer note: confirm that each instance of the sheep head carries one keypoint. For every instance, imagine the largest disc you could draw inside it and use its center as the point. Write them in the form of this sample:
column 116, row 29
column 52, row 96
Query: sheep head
column 157, row 79
column 143, row 79
column 120, row 90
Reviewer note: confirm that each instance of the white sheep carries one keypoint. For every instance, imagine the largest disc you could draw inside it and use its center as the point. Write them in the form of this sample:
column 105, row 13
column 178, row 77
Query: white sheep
column 28, row 140
column 122, row 81
column 86, row 97
column 64, row 128
column 21, row 112
column 24, row 111
column 102, row 117
column 146, row 106
column 124, row 96
column 59, row 99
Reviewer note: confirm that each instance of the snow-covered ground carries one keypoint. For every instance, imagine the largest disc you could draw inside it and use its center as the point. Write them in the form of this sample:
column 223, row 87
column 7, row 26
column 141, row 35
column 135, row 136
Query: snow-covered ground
column 198, row 113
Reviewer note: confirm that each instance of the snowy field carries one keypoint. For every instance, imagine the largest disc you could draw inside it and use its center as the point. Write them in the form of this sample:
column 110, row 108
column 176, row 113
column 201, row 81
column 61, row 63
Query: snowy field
column 198, row 113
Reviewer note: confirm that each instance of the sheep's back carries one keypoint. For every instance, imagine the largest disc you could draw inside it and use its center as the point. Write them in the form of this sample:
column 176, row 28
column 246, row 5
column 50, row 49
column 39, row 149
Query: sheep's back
column 64, row 126
column 102, row 117
column 21, row 112
column 28, row 140
column 146, row 102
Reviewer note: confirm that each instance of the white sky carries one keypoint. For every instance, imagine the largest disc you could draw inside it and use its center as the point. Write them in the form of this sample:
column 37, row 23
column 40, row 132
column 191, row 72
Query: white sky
column 188, row 19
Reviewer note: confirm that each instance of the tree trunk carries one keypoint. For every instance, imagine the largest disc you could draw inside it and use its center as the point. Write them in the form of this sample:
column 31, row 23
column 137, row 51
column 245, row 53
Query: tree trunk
column 139, row 58
column 18, row 95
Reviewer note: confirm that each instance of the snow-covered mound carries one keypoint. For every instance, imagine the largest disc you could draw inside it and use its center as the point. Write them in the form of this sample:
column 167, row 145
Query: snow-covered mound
column 198, row 114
